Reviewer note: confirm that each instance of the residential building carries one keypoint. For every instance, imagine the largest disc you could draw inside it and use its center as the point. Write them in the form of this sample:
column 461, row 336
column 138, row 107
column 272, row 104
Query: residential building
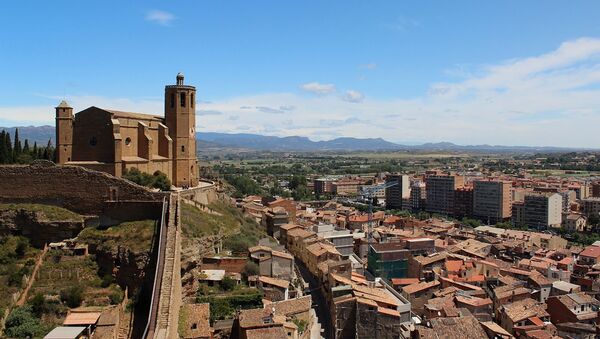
column 440, row 192
column 463, row 202
column 526, row 312
column 590, row 206
column 395, row 194
column 574, row 308
column 418, row 196
column 388, row 260
column 541, row 211
column 492, row 200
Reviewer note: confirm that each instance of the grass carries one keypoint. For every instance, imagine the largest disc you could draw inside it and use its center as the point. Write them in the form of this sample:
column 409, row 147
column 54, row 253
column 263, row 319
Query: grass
column 239, row 232
column 52, row 213
column 134, row 235
column 197, row 223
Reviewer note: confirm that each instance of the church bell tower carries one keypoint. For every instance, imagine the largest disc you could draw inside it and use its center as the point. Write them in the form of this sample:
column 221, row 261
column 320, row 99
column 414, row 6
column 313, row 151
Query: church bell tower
column 180, row 117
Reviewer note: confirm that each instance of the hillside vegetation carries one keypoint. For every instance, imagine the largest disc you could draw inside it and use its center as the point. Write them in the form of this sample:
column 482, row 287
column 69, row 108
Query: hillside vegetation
column 239, row 232
column 52, row 213
column 134, row 235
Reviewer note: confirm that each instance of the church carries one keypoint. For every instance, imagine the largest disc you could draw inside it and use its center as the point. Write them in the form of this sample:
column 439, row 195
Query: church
column 114, row 141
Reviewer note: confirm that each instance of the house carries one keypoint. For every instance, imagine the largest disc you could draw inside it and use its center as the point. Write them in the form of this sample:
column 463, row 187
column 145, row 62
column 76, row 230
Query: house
column 418, row 294
column 575, row 222
column 274, row 289
column 211, row 277
column 575, row 308
column 466, row 327
column 541, row 286
column 64, row 332
column 272, row 263
column 526, row 312
column 256, row 322
column 589, row 256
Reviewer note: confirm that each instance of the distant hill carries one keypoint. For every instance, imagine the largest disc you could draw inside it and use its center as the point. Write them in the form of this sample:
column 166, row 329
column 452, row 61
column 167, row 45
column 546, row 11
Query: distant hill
column 294, row 143
column 245, row 141
column 39, row 134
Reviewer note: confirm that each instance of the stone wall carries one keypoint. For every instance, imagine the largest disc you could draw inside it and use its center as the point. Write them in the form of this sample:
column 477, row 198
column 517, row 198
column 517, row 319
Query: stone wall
column 78, row 189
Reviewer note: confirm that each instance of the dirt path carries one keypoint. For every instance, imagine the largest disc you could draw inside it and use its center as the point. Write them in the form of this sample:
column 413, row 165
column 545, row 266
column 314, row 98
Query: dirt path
column 38, row 264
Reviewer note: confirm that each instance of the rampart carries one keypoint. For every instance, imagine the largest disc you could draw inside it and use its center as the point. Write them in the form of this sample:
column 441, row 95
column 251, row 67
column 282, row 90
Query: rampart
column 76, row 188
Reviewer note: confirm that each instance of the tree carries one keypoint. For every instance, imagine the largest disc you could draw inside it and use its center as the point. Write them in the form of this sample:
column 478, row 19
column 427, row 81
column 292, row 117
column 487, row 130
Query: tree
column 227, row 284
column 21, row 323
column 17, row 149
column 161, row 181
column 251, row 269
column 72, row 296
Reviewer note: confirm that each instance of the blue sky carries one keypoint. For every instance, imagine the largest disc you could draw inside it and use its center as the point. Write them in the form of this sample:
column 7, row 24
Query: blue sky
column 469, row 72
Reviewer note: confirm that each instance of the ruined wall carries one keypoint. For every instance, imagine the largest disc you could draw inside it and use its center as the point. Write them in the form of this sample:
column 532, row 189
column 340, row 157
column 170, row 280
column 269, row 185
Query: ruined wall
column 78, row 189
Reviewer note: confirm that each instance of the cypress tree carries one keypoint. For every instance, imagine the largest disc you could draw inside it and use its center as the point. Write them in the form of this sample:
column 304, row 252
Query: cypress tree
column 26, row 147
column 34, row 151
column 9, row 149
column 3, row 148
column 17, row 149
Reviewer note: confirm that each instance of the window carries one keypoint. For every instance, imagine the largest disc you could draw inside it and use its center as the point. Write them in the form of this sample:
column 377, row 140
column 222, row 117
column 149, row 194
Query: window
column 182, row 148
column 182, row 99
column 172, row 100
column 192, row 100
column 93, row 141
column 128, row 141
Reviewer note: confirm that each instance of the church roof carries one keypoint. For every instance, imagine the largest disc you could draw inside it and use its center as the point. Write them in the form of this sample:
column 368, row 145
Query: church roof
column 133, row 115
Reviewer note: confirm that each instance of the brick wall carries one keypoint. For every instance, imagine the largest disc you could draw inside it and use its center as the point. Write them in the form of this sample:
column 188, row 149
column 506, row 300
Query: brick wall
column 75, row 188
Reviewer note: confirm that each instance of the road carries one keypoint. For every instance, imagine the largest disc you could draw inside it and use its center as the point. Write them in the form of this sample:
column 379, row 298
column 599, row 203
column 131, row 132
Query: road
column 319, row 303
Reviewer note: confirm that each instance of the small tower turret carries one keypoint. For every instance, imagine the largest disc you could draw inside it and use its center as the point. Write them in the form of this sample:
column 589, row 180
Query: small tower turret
column 64, row 133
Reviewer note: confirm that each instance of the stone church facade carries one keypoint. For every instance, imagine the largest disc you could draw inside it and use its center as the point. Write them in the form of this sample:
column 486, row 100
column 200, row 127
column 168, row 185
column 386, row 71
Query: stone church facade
column 113, row 141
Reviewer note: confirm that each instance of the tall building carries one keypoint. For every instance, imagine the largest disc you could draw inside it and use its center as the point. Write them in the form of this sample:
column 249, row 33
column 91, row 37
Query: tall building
column 463, row 202
column 418, row 195
column 440, row 192
column 492, row 200
column 395, row 194
column 113, row 141
column 540, row 210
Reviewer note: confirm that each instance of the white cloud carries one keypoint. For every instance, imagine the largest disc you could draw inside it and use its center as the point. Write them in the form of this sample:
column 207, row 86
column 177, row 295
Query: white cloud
column 549, row 99
column 353, row 96
column 160, row 17
column 318, row 88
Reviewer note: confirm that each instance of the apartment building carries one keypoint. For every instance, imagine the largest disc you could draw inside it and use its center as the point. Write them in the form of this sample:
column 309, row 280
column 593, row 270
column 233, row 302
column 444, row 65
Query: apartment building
column 539, row 210
column 440, row 192
column 418, row 196
column 463, row 202
column 395, row 194
column 492, row 200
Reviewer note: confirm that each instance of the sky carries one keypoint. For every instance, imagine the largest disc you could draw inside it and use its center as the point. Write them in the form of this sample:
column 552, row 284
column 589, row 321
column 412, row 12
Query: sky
column 468, row 72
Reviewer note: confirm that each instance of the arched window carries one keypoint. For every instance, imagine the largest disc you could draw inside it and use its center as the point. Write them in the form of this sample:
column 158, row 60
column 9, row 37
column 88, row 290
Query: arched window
column 192, row 100
column 172, row 100
column 182, row 99
column 182, row 148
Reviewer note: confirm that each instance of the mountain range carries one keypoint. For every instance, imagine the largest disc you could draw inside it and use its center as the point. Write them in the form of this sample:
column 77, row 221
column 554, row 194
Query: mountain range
column 245, row 141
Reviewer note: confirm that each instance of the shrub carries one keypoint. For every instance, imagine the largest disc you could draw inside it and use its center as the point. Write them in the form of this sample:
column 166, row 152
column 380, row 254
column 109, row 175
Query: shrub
column 251, row 268
column 72, row 296
column 107, row 279
column 227, row 284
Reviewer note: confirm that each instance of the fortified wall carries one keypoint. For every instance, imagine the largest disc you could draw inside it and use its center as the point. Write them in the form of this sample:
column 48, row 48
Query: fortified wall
column 76, row 188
